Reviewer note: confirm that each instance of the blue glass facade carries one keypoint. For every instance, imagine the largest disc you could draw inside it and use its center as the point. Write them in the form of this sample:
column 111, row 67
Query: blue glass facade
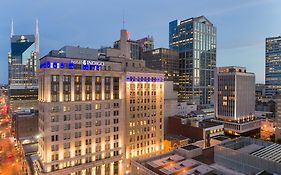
column 195, row 41
column 22, row 62
column 273, row 66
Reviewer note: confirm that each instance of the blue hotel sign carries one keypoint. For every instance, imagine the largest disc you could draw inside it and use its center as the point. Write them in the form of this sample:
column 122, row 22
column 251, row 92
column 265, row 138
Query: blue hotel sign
column 85, row 64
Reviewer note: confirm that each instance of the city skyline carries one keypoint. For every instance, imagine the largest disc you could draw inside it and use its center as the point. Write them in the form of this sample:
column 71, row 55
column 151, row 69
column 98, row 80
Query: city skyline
column 241, row 46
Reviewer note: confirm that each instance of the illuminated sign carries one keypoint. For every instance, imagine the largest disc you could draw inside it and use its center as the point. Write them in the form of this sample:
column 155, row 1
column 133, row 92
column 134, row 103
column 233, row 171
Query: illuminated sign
column 156, row 51
column 87, row 62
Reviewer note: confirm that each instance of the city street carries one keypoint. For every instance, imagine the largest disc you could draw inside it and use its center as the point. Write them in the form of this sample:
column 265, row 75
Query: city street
column 10, row 163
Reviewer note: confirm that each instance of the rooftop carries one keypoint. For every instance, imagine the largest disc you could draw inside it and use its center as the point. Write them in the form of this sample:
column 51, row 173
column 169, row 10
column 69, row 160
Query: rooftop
column 174, row 163
column 190, row 147
column 259, row 148
column 174, row 137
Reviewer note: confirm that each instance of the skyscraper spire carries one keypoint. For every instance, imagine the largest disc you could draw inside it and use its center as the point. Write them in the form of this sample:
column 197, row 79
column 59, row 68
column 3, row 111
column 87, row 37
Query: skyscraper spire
column 12, row 28
column 37, row 37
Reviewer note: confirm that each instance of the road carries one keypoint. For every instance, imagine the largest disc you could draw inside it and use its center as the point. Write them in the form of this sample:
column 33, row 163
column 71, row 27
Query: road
column 10, row 161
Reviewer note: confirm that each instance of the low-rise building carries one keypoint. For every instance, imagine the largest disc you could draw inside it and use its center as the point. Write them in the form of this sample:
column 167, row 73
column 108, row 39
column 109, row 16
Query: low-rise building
column 180, row 161
column 173, row 141
column 25, row 122
column 194, row 130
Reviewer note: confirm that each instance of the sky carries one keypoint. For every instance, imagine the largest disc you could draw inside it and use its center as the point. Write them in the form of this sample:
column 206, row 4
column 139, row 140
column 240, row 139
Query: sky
column 242, row 25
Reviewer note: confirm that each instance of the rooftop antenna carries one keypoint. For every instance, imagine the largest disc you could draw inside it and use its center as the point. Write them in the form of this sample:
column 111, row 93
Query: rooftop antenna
column 12, row 29
column 123, row 19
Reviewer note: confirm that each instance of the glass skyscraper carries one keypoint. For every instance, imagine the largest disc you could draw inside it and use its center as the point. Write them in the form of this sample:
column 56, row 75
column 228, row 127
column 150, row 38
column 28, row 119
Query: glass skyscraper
column 22, row 62
column 272, row 66
column 195, row 41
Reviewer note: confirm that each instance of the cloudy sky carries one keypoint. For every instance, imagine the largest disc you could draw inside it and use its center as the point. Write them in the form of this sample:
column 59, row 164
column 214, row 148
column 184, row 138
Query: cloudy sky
column 242, row 25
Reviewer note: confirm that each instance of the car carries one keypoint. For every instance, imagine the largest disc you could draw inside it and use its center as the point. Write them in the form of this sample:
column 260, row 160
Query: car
column 9, row 156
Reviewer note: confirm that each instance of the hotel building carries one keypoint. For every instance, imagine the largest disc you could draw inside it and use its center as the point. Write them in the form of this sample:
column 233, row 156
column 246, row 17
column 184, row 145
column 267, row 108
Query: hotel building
column 235, row 100
column 96, row 114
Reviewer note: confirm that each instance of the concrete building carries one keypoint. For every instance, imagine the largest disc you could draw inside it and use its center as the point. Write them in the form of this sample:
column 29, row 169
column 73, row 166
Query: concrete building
column 194, row 130
column 235, row 100
column 96, row 115
column 249, row 156
column 172, row 106
column 23, row 59
column 26, row 125
column 195, row 41
column 166, row 60
column 137, row 47
column 272, row 65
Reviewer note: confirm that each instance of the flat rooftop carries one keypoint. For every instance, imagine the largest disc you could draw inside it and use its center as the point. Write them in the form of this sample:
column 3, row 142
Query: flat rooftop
column 221, row 138
column 259, row 148
column 175, row 137
column 190, row 147
column 271, row 152
column 177, row 164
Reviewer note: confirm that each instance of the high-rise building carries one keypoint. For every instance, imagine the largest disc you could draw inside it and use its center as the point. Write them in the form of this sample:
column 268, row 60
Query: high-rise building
column 195, row 41
column 95, row 114
column 22, row 62
column 166, row 60
column 137, row 47
column 235, row 100
column 272, row 65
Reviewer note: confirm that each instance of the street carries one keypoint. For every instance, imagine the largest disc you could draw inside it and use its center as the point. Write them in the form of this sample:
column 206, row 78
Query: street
column 10, row 163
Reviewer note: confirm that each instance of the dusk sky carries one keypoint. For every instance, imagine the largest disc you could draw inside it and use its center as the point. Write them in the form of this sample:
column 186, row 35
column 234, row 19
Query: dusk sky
column 242, row 25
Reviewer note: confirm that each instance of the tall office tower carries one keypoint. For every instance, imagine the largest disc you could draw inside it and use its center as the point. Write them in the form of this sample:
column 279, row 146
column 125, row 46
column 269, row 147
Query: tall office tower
column 96, row 114
column 272, row 65
column 166, row 60
column 137, row 47
column 195, row 41
column 235, row 100
column 22, row 66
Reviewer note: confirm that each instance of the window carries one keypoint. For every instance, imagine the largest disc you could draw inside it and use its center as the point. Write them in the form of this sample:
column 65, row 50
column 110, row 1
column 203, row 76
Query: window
column 55, row 147
column 98, row 106
column 54, row 118
column 77, row 143
column 88, row 115
column 55, row 167
column 115, row 113
column 88, row 124
column 116, row 120
column 66, row 127
column 54, row 138
column 88, row 133
column 55, row 157
column 88, row 141
column 66, row 145
column 66, row 136
column 77, row 134
column 55, row 128
column 98, row 140
column 78, row 108
column 66, row 155
column 78, row 125
column 66, row 117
